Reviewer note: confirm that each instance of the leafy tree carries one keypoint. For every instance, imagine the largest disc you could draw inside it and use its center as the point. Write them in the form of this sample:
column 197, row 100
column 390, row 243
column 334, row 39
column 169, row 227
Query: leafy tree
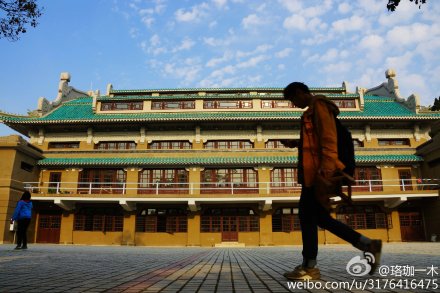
column 436, row 106
column 392, row 4
column 15, row 15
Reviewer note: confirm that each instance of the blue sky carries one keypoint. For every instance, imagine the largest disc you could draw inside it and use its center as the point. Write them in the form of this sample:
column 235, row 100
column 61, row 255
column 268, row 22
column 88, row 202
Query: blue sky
column 137, row 44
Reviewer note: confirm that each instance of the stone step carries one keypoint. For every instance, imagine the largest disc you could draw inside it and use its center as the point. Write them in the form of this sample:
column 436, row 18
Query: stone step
column 229, row 244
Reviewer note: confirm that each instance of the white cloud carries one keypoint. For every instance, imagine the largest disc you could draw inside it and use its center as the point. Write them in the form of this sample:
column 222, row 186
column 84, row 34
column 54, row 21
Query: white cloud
column 252, row 62
column 292, row 5
column 295, row 21
column 411, row 34
column 259, row 49
column 147, row 20
column 220, row 3
column 337, row 68
column 330, row 55
column 186, row 44
column 212, row 24
column 194, row 14
column 344, row 8
column 353, row 23
column 187, row 73
column 399, row 63
column 155, row 40
column 252, row 21
column 372, row 42
column 215, row 61
column 283, row 53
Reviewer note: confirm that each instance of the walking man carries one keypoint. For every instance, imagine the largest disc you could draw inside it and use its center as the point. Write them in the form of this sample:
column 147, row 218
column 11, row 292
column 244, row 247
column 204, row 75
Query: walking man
column 318, row 155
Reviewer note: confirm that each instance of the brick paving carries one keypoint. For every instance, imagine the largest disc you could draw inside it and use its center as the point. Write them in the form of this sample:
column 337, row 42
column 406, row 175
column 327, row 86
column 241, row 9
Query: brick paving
column 72, row 268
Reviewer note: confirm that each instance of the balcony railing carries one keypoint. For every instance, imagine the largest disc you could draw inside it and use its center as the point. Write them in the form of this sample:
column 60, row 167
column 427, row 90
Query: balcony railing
column 401, row 185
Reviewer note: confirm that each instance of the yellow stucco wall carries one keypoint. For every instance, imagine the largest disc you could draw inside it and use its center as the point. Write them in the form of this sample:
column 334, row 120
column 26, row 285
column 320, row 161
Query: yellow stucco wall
column 210, row 239
column 249, row 238
column 97, row 238
column 161, row 239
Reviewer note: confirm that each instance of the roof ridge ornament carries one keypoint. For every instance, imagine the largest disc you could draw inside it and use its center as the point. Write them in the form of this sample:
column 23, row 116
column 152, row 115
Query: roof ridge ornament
column 65, row 93
column 390, row 89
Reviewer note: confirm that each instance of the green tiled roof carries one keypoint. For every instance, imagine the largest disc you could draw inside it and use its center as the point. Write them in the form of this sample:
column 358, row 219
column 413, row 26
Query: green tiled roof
column 219, row 90
column 211, row 161
column 80, row 110
column 211, row 96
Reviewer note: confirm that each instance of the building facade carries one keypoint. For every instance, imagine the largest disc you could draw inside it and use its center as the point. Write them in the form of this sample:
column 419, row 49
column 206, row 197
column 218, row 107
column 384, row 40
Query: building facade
column 202, row 167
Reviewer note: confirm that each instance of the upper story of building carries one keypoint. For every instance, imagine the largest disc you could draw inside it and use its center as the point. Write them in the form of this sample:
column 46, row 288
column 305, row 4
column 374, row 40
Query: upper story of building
column 200, row 115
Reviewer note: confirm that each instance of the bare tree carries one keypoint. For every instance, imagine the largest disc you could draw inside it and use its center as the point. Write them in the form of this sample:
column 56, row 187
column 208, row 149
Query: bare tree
column 15, row 15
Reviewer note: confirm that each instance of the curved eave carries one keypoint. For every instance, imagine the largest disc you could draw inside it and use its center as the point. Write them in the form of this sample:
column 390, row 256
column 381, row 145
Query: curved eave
column 254, row 118
column 211, row 161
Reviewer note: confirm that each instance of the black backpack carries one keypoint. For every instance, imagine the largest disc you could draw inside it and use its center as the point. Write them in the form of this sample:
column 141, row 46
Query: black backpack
column 345, row 148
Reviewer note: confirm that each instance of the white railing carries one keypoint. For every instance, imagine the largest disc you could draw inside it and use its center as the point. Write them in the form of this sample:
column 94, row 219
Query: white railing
column 396, row 185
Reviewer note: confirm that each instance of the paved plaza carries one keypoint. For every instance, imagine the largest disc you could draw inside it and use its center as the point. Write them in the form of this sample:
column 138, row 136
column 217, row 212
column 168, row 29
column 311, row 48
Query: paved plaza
column 72, row 268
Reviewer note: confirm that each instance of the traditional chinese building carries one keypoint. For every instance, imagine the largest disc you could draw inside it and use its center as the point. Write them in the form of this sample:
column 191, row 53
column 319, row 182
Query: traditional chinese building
column 205, row 166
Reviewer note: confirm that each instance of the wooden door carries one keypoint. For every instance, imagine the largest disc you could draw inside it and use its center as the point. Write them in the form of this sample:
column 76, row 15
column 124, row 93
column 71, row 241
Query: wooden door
column 411, row 226
column 49, row 228
column 229, row 228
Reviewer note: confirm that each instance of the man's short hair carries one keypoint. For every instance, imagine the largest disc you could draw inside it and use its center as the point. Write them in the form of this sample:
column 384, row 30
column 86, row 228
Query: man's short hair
column 291, row 89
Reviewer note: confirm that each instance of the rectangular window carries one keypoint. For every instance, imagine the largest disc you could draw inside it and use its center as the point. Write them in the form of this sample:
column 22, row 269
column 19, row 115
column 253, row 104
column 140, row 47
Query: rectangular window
column 164, row 145
column 229, row 181
column 121, row 106
column 275, row 144
column 99, row 219
column 285, row 220
column 368, row 178
column 64, row 145
column 393, row 142
column 363, row 217
column 227, row 104
column 172, row 105
column 345, row 103
column 284, row 180
column 168, row 220
column 102, row 181
column 228, row 144
column 268, row 104
column 161, row 181
column 115, row 145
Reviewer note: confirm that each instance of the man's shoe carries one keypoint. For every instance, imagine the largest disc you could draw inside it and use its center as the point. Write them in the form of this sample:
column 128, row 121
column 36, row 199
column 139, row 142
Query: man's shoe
column 17, row 247
column 301, row 273
column 374, row 251
column 24, row 247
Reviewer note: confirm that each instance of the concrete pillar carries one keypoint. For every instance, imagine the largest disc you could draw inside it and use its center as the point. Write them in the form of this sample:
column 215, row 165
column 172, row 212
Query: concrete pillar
column 193, row 229
column 66, row 234
column 129, row 232
column 194, row 178
column 264, row 179
column 131, row 181
column 266, row 228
